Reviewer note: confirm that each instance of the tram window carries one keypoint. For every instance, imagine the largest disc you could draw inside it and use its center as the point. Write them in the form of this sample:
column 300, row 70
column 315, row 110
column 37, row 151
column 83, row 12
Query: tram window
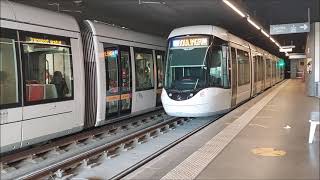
column 144, row 69
column 160, row 69
column 256, row 68
column 111, row 57
column 125, row 80
column 47, row 69
column 268, row 68
column 274, row 69
column 243, row 67
column 261, row 68
column 218, row 71
column 9, row 94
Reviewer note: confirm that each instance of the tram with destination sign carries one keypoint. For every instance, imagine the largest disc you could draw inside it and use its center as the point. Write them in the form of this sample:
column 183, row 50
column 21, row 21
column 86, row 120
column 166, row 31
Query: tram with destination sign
column 59, row 77
column 210, row 71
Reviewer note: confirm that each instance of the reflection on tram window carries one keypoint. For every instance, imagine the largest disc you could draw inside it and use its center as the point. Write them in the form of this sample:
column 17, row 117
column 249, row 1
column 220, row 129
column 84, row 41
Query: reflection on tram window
column 186, row 68
column 125, row 71
column 47, row 72
column 243, row 67
column 126, row 81
column 197, row 66
column 8, row 71
column 111, row 62
column 218, row 72
column 144, row 71
column 160, row 69
column 268, row 62
column 261, row 68
column 112, row 71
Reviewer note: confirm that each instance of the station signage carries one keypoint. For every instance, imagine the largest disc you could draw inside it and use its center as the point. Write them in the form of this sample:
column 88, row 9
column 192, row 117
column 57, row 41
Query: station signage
column 190, row 42
column 290, row 28
column 44, row 41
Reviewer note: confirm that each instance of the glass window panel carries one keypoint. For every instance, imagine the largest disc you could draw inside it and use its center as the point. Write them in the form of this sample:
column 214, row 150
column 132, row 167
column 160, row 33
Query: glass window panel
column 125, row 80
column 125, row 71
column 8, row 71
column 112, row 76
column 268, row 62
column 112, row 71
column 48, row 72
column 218, row 71
column 160, row 69
column 243, row 67
column 144, row 70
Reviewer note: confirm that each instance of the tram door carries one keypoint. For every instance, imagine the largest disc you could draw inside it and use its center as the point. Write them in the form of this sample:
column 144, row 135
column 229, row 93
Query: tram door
column 256, row 71
column 118, row 77
column 234, row 74
column 160, row 63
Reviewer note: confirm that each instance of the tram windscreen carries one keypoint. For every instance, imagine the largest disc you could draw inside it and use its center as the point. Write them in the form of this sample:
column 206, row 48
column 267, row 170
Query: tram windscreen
column 186, row 69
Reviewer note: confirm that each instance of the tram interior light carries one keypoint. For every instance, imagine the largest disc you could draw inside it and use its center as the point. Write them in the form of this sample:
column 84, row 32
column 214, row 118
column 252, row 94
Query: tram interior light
column 234, row 8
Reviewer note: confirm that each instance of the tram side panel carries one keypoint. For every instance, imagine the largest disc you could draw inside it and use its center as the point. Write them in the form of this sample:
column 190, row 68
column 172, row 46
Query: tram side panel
column 125, row 72
column 45, row 79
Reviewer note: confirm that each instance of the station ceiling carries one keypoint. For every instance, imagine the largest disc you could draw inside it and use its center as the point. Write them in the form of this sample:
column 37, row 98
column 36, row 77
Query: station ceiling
column 159, row 17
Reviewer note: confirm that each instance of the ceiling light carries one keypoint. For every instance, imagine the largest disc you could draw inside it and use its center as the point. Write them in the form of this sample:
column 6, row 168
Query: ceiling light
column 277, row 44
column 234, row 8
column 253, row 23
column 272, row 39
column 263, row 32
column 285, row 49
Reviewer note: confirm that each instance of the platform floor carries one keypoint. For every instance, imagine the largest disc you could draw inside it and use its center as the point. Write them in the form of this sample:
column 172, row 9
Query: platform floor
column 293, row 157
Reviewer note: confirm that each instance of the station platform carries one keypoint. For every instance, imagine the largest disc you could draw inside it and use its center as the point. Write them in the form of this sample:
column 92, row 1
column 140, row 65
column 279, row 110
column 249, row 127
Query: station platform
column 265, row 138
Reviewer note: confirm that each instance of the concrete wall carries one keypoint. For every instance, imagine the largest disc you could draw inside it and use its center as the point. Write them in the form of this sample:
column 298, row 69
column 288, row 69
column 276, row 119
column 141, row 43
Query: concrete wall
column 296, row 68
column 313, row 56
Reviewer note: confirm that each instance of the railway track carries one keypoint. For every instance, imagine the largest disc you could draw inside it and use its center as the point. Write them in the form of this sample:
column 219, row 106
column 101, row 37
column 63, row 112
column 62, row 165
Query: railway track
column 46, row 160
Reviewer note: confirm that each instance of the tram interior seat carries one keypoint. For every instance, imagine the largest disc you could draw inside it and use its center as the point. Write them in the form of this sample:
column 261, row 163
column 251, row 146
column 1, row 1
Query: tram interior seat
column 34, row 92
column 51, row 91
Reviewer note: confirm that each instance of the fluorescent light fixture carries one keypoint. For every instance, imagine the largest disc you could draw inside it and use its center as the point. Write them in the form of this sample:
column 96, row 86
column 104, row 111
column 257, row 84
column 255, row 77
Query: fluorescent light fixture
column 285, row 49
column 277, row 44
column 253, row 23
column 263, row 32
column 287, row 54
column 234, row 8
column 272, row 39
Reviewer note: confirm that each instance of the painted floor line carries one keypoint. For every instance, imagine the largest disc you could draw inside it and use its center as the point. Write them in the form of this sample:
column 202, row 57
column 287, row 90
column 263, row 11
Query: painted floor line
column 191, row 167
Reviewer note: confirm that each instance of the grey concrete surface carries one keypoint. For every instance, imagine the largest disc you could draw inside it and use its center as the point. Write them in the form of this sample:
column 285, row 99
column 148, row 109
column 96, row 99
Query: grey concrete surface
column 289, row 107
column 169, row 160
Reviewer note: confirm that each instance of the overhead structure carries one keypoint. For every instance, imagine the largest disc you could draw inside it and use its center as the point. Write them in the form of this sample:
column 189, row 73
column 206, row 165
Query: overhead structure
column 254, row 24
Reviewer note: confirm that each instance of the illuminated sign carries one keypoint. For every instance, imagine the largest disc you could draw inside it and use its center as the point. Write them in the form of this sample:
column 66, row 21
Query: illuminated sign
column 44, row 41
column 188, row 42
column 111, row 53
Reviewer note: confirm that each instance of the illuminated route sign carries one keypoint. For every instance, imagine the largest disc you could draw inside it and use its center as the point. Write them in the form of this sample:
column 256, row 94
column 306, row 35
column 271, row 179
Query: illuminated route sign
column 190, row 42
column 44, row 41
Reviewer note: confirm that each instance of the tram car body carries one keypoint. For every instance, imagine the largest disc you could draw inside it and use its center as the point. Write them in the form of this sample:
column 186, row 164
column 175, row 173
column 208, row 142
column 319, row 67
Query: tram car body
column 42, row 76
column 58, row 77
column 124, row 72
column 209, row 71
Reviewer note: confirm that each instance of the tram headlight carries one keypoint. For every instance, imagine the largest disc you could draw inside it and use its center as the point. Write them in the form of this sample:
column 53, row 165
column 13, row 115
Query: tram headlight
column 170, row 94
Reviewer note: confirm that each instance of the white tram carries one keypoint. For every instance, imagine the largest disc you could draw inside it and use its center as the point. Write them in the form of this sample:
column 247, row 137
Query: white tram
column 209, row 71
column 57, row 78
